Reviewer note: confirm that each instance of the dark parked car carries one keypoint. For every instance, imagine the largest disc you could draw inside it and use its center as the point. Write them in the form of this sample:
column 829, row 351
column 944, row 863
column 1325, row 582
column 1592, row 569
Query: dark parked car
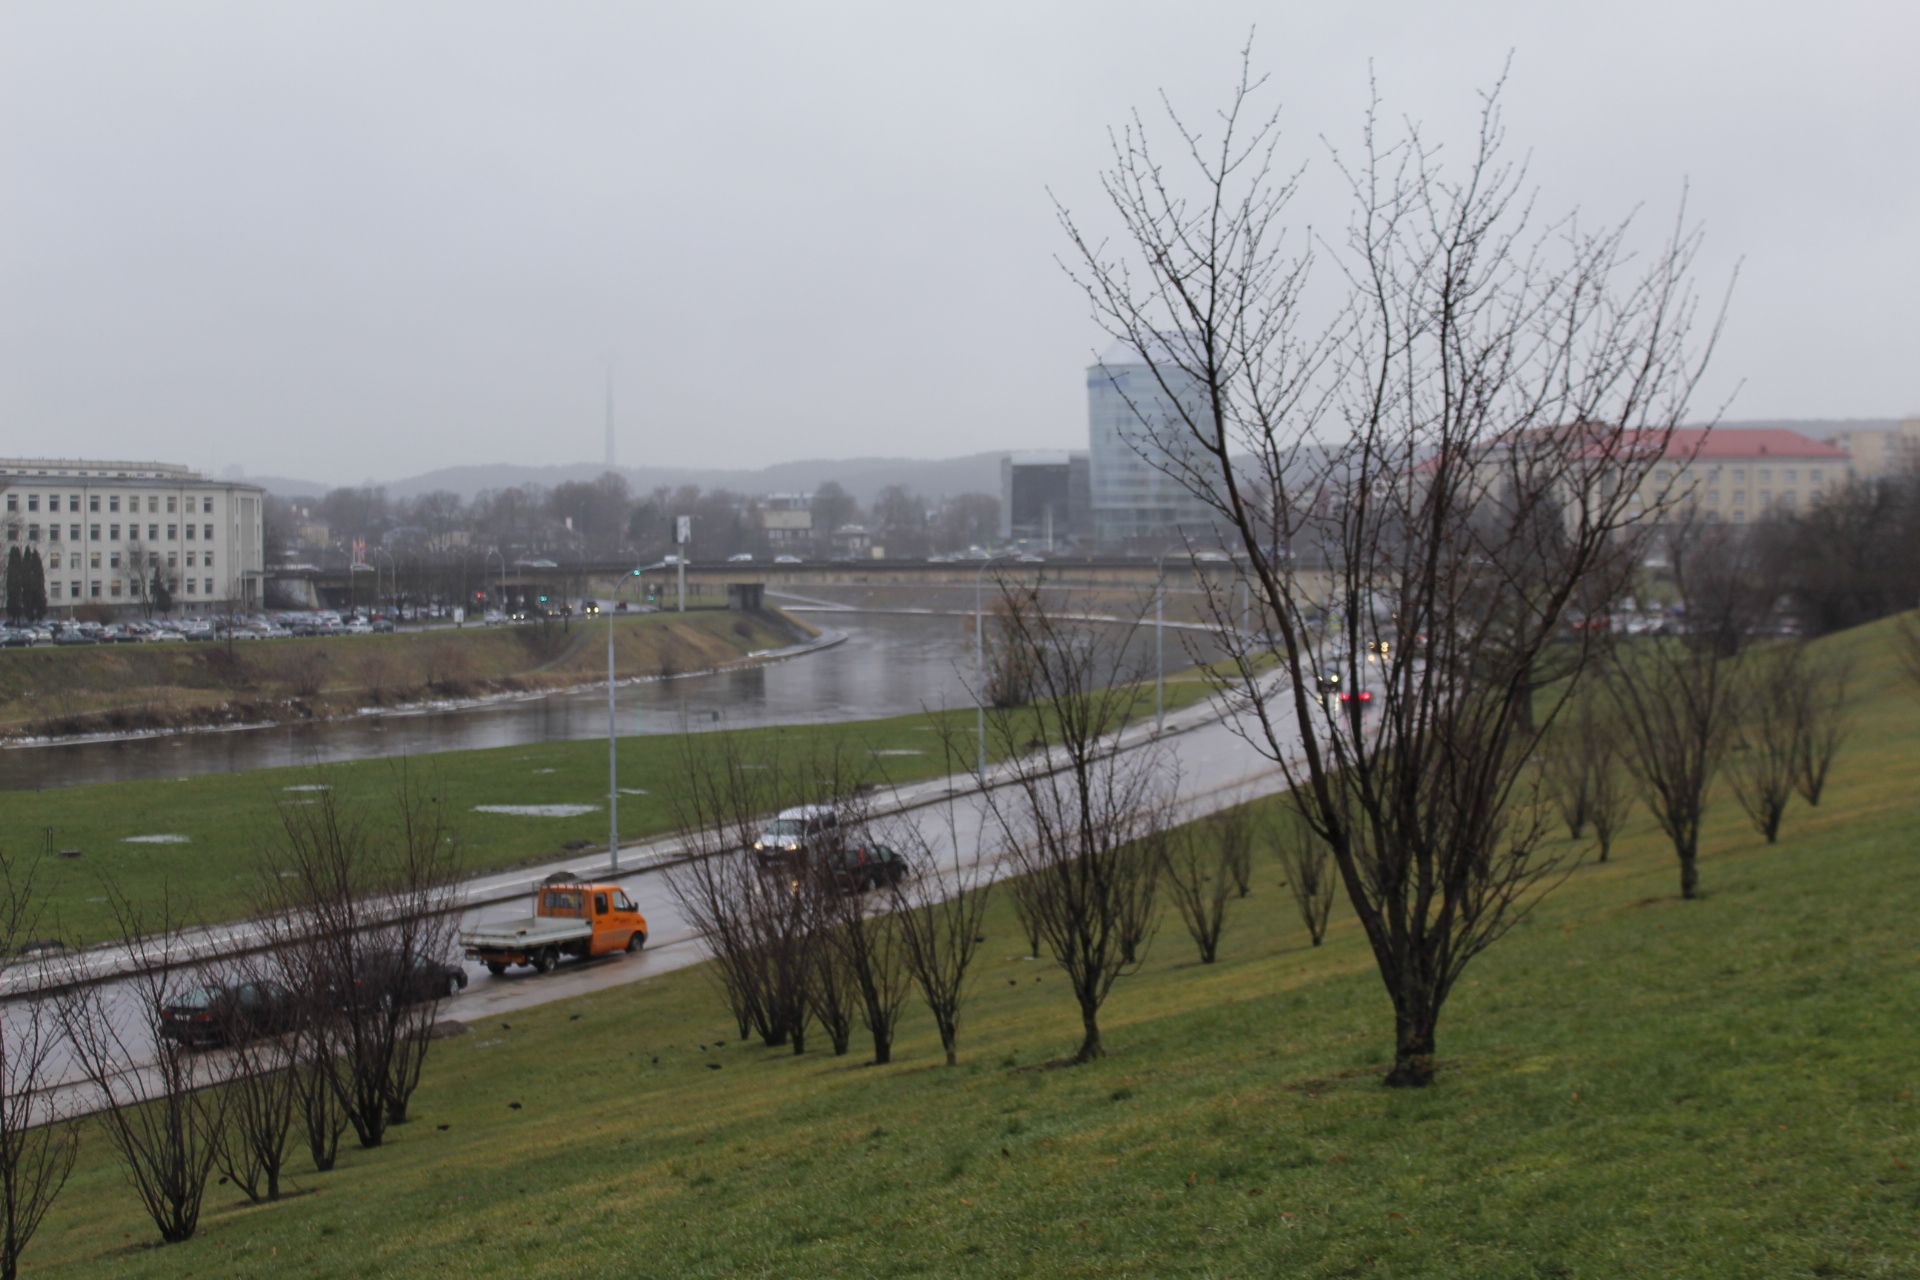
column 856, row 870
column 410, row 979
column 223, row 1014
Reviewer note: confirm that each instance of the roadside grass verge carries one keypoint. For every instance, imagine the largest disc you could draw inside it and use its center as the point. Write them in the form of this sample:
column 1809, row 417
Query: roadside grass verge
column 1630, row 1085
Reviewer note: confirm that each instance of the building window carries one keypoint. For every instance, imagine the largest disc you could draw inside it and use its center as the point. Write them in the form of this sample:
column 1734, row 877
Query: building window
column 113, row 502
column 189, row 533
column 173, row 559
column 189, row 586
column 93, row 559
column 73, row 504
column 93, row 504
column 93, row 533
column 33, row 533
column 73, row 533
column 1740, row 473
column 153, row 504
column 13, row 533
column 53, row 502
column 53, row 533
column 113, row 559
column 53, row 561
column 153, row 533
column 53, row 590
column 73, row 588
column 33, row 502
column 173, row 532
column 116, row 588
column 170, row 502
column 1790, row 475
column 192, row 559
column 208, row 531
column 1764, row 475
column 206, row 506
column 207, row 559
column 13, row 502
column 113, row 533
column 94, row 588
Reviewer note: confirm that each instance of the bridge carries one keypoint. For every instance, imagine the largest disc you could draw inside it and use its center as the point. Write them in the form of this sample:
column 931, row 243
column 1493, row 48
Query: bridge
column 744, row 583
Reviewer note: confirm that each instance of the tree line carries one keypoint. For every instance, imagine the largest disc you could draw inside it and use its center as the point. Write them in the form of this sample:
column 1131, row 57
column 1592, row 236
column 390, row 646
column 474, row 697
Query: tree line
column 321, row 1030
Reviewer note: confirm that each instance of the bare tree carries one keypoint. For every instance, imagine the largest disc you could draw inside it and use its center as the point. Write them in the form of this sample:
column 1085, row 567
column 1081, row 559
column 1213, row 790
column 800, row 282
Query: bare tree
column 939, row 913
column 1082, row 823
column 1487, row 380
column 37, row 1145
column 832, row 994
column 1196, row 868
column 1821, row 722
column 1674, row 695
column 1764, row 763
column 1580, row 763
column 1906, row 638
column 157, row 1110
column 1312, row 878
column 1610, row 799
column 1233, row 829
column 257, row 1026
column 865, row 945
column 361, row 912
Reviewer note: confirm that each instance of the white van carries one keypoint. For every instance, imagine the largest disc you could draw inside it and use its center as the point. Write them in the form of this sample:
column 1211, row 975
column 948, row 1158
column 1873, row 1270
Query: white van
column 796, row 833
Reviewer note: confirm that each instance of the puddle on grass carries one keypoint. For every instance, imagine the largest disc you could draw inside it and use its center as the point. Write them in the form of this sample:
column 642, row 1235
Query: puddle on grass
column 159, row 839
column 538, row 810
column 898, row 751
column 310, row 786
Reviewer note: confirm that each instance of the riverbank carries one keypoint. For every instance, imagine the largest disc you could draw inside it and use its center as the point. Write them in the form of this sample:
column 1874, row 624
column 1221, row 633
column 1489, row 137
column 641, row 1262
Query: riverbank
column 66, row 693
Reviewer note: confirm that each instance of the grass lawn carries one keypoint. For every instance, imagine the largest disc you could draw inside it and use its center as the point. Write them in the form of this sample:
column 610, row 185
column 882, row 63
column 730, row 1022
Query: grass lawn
column 1630, row 1085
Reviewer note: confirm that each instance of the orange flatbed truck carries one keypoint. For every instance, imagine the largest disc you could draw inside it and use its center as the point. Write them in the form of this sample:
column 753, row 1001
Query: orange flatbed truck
column 570, row 918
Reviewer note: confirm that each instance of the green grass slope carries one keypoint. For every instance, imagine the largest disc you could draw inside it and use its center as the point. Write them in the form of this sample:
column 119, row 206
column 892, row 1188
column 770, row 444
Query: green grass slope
column 1630, row 1085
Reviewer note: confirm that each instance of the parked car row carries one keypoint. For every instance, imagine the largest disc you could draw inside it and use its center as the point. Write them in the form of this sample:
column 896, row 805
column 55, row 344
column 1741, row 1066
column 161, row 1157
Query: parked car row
column 210, row 1014
column 248, row 627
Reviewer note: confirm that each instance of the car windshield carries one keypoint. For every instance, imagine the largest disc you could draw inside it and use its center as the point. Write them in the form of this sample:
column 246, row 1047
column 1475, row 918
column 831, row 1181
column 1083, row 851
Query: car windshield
column 196, row 998
column 787, row 827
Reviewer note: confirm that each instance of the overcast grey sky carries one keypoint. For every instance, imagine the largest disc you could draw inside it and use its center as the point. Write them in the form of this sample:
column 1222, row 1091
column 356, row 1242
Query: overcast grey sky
column 341, row 240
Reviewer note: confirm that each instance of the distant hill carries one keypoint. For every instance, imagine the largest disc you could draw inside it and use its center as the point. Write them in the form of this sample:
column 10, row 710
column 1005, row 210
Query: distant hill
column 861, row 477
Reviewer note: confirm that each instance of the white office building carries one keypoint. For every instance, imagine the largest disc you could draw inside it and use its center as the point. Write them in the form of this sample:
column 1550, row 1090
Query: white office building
column 104, row 530
column 1141, row 452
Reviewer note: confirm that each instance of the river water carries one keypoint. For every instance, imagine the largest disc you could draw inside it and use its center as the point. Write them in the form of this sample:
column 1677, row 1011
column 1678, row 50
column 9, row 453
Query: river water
column 888, row 665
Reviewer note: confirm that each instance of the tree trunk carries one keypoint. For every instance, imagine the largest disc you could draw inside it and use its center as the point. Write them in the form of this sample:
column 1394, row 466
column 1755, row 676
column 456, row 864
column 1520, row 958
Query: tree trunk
column 1412, row 1048
column 1090, row 1047
column 882, row 1050
column 1689, row 875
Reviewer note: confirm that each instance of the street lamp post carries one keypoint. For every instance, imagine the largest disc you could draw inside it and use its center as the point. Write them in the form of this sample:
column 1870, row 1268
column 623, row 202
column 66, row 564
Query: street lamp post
column 495, row 551
column 393, row 580
column 1160, row 637
column 613, row 749
column 980, row 669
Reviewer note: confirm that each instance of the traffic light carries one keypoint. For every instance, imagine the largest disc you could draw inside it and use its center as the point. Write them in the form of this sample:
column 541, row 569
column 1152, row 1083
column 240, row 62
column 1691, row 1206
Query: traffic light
column 543, row 597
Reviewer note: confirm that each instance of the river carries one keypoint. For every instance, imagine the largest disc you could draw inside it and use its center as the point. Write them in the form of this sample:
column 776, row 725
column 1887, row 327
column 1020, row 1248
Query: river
column 887, row 665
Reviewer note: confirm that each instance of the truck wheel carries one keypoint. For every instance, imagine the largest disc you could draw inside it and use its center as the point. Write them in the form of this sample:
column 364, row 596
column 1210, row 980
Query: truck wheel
column 635, row 941
column 454, row 984
column 496, row 967
column 544, row 962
